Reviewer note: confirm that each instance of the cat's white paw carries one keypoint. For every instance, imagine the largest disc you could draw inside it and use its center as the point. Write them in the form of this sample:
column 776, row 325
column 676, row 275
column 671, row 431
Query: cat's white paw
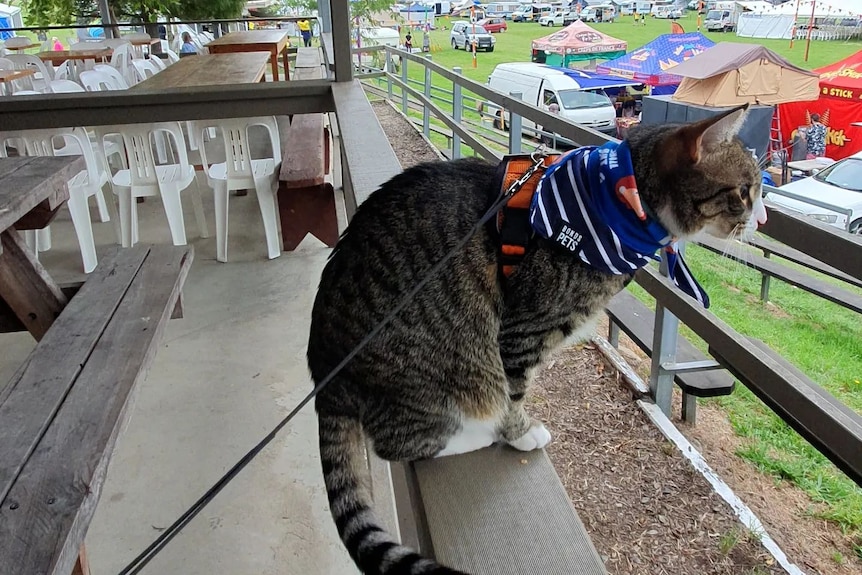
column 536, row 437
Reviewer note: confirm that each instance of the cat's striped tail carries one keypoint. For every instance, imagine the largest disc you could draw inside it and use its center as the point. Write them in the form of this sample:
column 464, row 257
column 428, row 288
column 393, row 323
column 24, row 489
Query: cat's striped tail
column 371, row 547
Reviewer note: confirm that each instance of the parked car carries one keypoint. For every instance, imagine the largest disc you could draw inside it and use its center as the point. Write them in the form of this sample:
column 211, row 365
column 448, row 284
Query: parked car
column 553, row 19
column 675, row 14
column 839, row 184
column 463, row 35
column 493, row 25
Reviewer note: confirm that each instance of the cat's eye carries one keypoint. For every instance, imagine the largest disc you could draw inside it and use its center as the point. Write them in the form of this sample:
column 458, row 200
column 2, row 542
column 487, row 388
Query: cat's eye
column 744, row 191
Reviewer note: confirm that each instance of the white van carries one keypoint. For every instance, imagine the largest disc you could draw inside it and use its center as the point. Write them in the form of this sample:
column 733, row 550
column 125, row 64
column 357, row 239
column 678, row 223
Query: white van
column 543, row 85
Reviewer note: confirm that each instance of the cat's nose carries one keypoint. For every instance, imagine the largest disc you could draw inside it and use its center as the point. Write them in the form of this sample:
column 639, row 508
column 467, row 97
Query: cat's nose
column 760, row 212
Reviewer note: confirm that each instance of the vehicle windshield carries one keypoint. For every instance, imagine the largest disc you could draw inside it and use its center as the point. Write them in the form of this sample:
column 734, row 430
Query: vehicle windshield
column 713, row 15
column 846, row 174
column 579, row 100
column 477, row 29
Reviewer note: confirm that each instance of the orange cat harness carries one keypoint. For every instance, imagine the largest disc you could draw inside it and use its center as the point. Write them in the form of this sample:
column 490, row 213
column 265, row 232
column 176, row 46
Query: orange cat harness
column 513, row 220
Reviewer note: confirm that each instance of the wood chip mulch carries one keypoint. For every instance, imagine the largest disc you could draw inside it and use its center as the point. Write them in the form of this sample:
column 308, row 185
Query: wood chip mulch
column 646, row 508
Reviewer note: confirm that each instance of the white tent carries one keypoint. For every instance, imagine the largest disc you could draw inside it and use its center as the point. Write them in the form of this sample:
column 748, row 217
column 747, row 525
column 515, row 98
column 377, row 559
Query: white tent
column 759, row 25
column 10, row 17
column 822, row 9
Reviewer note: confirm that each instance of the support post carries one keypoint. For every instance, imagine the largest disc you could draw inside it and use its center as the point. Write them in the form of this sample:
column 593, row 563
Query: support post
column 324, row 16
column 388, row 64
column 457, row 108
column 663, row 351
column 764, row 282
column 342, row 57
column 514, row 127
column 426, row 113
column 405, row 82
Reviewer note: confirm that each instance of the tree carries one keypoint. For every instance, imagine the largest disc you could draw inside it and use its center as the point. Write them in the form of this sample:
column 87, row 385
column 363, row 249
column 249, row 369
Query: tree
column 363, row 10
column 47, row 12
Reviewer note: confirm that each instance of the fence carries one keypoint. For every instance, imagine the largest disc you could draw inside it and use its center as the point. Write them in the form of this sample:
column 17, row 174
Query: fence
column 822, row 420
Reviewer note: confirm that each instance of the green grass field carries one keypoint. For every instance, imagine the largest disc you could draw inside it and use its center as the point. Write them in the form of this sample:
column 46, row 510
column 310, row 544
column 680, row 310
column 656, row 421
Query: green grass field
column 821, row 338
column 514, row 45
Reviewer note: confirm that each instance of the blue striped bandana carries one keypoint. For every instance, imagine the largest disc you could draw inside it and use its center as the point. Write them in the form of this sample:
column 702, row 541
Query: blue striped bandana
column 588, row 203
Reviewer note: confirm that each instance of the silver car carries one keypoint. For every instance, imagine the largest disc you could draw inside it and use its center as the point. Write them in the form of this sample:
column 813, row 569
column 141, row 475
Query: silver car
column 839, row 184
column 463, row 35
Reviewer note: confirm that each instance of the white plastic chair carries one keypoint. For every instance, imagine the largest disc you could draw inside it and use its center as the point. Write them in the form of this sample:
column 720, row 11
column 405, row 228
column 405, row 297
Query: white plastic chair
column 144, row 178
column 117, row 76
column 121, row 59
column 240, row 171
column 173, row 57
column 144, row 69
column 44, row 74
column 64, row 71
column 160, row 64
column 97, row 81
column 84, row 185
column 66, row 86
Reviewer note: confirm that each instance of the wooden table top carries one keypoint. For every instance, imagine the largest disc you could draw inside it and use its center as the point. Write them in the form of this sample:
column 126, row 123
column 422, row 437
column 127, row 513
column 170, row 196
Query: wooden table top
column 8, row 75
column 26, row 182
column 251, row 37
column 19, row 48
column 60, row 56
column 209, row 70
column 144, row 41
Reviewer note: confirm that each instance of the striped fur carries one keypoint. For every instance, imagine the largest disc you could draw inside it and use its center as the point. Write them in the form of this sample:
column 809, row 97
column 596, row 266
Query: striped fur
column 467, row 345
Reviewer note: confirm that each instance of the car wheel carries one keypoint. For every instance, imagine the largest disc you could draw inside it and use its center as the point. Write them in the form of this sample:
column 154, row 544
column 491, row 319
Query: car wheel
column 856, row 227
column 454, row 44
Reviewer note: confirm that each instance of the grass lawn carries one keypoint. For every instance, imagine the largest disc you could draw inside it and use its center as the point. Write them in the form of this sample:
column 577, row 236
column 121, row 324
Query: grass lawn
column 514, row 45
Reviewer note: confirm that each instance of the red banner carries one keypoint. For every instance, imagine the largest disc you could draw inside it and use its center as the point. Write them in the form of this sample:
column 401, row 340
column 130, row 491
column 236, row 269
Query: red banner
column 842, row 139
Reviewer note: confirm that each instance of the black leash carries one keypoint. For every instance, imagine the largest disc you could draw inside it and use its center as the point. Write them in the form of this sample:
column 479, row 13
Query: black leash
column 169, row 533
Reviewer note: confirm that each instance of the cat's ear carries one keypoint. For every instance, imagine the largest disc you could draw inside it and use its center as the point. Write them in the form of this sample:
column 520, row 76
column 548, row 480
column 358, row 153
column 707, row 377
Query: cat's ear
column 701, row 137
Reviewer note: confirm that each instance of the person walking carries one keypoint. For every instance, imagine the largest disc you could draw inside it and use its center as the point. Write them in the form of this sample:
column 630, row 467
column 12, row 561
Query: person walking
column 408, row 42
column 305, row 31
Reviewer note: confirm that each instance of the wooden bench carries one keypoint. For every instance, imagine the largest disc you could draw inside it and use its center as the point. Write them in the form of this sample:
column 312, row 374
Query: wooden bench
column 62, row 412
column 769, row 247
column 637, row 321
column 789, row 275
column 306, row 198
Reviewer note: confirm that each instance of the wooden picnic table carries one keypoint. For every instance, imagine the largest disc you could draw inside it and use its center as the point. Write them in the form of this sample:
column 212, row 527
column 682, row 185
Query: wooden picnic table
column 25, row 47
column 32, row 189
column 63, row 410
column 273, row 41
column 209, row 70
column 57, row 57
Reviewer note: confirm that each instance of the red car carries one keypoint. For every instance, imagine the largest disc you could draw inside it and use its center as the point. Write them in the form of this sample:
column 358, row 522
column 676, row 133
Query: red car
column 493, row 24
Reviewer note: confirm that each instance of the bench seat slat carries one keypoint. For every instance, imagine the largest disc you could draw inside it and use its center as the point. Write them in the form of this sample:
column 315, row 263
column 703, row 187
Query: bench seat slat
column 57, row 490
column 789, row 275
column 503, row 512
column 32, row 398
column 637, row 321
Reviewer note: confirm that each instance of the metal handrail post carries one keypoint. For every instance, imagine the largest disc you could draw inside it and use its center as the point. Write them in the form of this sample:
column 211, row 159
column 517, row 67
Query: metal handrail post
column 426, row 113
column 514, row 127
column 457, row 106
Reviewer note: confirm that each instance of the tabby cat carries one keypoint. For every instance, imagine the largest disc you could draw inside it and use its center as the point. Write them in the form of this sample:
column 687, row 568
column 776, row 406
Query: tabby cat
column 450, row 373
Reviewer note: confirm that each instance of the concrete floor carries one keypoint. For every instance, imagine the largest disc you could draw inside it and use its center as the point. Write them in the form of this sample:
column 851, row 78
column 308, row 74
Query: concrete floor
column 225, row 375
